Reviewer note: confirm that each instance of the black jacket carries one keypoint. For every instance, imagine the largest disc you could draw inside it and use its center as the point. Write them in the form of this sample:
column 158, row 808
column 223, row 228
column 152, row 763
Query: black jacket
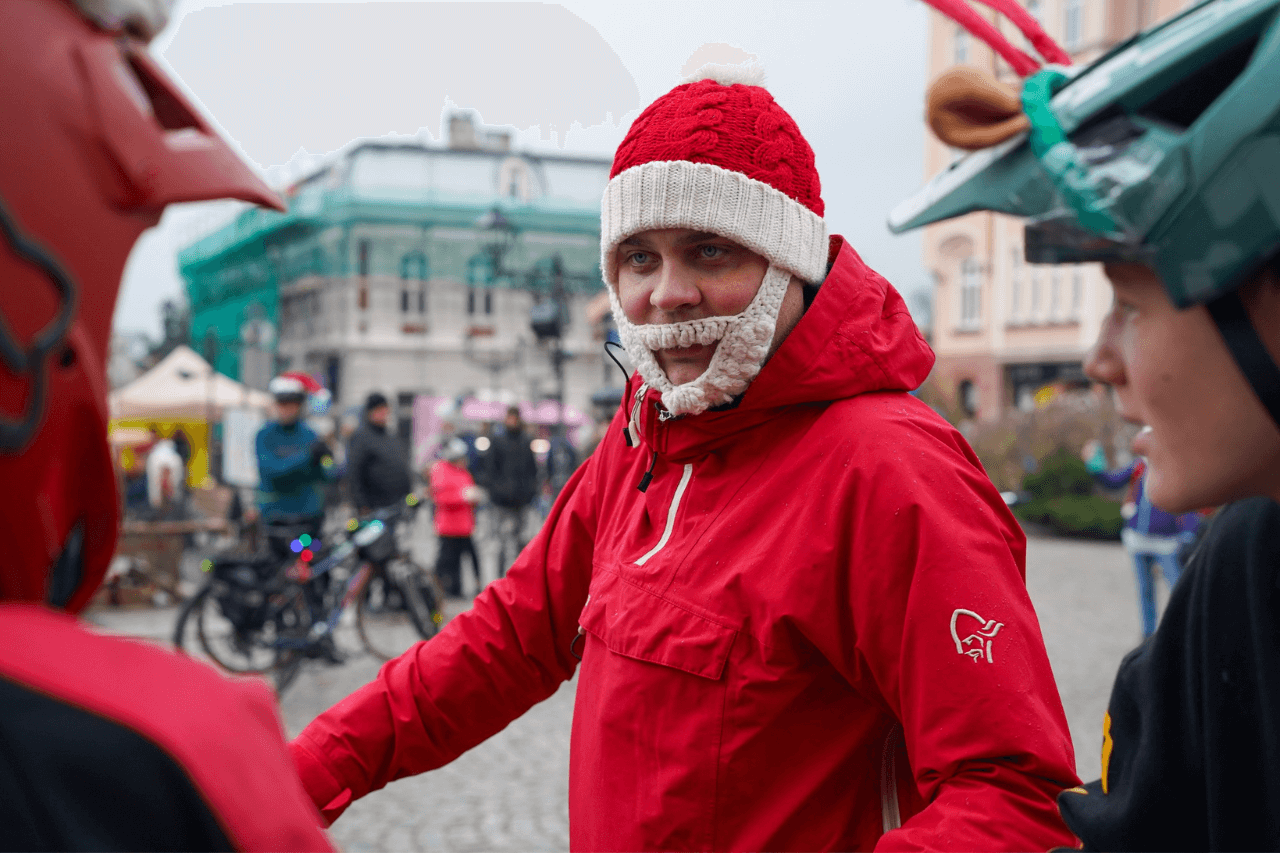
column 1191, row 750
column 377, row 467
column 510, row 471
column 107, row 743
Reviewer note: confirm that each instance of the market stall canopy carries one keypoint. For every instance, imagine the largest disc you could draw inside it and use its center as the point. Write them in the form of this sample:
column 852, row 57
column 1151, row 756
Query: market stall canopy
column 183, row 387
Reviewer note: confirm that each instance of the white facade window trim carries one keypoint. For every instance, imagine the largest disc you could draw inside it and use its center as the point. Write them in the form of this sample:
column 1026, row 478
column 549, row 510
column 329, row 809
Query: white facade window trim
column 1077, row 291
column 1016, row 308
column 970, row 295
column 1072, row 25
column 960, row 46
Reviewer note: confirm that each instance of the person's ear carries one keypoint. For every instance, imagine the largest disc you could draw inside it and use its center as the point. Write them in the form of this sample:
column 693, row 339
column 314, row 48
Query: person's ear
column 1261, row 297
column 970, row 109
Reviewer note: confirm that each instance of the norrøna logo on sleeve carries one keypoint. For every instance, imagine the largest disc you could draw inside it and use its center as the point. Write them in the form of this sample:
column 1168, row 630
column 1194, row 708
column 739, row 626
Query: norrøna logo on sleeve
column 977, row 638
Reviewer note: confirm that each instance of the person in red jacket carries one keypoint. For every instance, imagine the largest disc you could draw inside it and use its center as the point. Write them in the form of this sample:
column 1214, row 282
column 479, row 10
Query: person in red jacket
column 794, row 601
column 108, row 743
column 455, row 495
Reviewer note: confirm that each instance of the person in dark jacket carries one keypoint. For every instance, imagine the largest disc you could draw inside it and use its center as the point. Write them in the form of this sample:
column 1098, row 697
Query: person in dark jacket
column 377, row 465
column 510, row 474
column 109, row 743
column 1186, row 221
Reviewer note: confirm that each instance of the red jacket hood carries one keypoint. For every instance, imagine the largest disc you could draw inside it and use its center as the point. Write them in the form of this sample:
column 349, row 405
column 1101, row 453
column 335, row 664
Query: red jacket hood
column 856, row 337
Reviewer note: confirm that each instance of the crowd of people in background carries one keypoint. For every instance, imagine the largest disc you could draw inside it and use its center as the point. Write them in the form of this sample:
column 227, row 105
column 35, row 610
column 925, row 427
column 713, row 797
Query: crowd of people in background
column 495, row 474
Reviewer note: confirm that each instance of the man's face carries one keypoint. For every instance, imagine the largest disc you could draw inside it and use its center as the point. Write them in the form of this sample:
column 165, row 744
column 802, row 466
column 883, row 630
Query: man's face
column 512, row 422
column 288, row 411
column 1207, row 437
column 378, row 415
column 671, row 275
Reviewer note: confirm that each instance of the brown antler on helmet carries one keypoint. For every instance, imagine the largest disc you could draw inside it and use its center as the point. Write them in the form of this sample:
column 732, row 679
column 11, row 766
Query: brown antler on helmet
column 970, row 109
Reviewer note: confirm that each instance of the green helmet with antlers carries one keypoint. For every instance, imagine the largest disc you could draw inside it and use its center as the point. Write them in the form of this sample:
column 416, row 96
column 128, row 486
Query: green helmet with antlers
column 1164, row 151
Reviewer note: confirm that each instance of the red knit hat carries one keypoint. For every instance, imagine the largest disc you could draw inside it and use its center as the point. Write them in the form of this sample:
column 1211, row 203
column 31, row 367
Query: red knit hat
column 718, row 154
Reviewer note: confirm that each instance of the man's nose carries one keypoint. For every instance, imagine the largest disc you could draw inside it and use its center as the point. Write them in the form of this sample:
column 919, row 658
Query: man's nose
column 1103, row 362
column 676, row 287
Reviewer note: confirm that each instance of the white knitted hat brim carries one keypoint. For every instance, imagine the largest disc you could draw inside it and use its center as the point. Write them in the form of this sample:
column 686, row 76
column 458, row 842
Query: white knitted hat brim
column 744, row 343
column 705, row 197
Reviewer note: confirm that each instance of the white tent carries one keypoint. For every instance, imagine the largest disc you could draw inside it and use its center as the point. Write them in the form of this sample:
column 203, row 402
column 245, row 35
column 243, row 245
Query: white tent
column 183, row 387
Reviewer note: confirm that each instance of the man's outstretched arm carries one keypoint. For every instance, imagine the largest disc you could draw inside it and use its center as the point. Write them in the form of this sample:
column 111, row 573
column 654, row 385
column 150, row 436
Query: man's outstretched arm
column 487, row 667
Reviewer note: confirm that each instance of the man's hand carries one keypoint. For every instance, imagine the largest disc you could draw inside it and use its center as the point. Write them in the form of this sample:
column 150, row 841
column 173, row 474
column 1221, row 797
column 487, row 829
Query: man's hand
column 319, row 450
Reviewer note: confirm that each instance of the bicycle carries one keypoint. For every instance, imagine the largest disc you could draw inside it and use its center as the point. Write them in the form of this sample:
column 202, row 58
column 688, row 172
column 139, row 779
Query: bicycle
column 251, row 617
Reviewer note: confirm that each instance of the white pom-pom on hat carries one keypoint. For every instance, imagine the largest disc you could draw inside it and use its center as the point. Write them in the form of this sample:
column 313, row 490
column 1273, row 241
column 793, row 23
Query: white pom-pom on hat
column 747, row 73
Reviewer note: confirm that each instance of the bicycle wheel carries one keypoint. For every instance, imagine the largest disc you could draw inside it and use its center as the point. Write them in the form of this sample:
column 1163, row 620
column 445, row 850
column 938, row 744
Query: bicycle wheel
column 251, row 645
column 184, row 622
column 399, row 606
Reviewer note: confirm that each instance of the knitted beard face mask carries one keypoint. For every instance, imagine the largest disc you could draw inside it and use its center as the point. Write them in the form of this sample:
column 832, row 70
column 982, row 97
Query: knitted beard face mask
column 744, row 343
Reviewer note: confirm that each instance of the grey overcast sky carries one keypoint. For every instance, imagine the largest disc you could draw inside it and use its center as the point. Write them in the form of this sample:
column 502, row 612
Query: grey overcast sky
column 289, row 82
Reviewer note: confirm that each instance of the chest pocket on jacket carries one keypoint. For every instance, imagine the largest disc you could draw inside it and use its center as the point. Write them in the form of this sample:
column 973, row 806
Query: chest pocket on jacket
column 649, row 719
column 638, row 624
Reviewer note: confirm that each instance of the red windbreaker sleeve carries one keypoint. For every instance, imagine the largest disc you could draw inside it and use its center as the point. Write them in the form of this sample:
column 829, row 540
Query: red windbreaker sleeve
column 486, row 668
column 947, row 635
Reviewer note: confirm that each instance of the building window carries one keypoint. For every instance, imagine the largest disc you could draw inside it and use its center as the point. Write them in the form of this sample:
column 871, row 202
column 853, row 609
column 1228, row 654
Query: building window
column 422, row 299
column 1015, row 285
column 1077, row 291
column 363, row 261
column 471, row 300
column 967, row 394
column 488, row 301
column 413, row 266
column 404, row 302
column 960, row 46
column 404, row 416
column 970, row 294
column 1035, row 292
column 1055, row 293
column 1072, row 30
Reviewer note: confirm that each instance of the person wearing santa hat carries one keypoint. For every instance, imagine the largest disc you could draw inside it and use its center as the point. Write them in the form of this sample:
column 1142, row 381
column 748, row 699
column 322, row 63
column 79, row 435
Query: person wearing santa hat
column 794, row 600
column 293, row 462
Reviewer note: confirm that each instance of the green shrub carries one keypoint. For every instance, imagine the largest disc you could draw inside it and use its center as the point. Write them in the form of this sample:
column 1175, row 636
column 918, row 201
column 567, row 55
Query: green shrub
column 1061, row 473
column 1020, row 442
column 1075, row 515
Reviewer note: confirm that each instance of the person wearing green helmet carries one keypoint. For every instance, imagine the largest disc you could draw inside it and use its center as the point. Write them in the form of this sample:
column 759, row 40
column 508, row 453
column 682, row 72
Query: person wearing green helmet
column 1162, row 161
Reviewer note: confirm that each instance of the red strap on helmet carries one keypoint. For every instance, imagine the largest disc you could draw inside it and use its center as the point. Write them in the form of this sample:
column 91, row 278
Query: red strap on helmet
column 964, row 15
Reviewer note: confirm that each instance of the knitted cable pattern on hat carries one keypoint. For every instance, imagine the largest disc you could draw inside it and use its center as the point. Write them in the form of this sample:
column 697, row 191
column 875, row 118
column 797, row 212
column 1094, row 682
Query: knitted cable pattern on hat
column 744, row 338
column 721, row 158
column 738, row 128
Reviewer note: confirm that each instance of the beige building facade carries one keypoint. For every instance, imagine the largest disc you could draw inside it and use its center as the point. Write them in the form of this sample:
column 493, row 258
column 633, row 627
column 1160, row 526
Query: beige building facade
column 1007, row 333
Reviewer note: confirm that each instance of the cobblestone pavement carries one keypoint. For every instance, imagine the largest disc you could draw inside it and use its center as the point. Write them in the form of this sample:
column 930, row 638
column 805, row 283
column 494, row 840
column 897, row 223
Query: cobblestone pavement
column 510, row 793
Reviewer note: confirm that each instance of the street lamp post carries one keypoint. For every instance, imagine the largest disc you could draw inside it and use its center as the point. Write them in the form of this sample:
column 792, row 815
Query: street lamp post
column 549, row 315
column 210, row 348
column 548, row 318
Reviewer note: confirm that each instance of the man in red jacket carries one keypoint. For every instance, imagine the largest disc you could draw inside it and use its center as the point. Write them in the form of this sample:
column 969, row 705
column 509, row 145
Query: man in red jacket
column 795, row 600
column 108, row 743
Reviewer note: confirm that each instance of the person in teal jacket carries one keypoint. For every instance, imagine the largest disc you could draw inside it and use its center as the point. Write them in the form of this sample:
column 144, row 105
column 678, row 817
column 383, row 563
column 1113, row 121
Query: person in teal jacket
column 294, row 464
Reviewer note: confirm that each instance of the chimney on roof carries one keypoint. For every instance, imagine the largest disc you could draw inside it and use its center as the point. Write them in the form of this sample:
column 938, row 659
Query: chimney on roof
column 466, row 135
column 462, row 132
